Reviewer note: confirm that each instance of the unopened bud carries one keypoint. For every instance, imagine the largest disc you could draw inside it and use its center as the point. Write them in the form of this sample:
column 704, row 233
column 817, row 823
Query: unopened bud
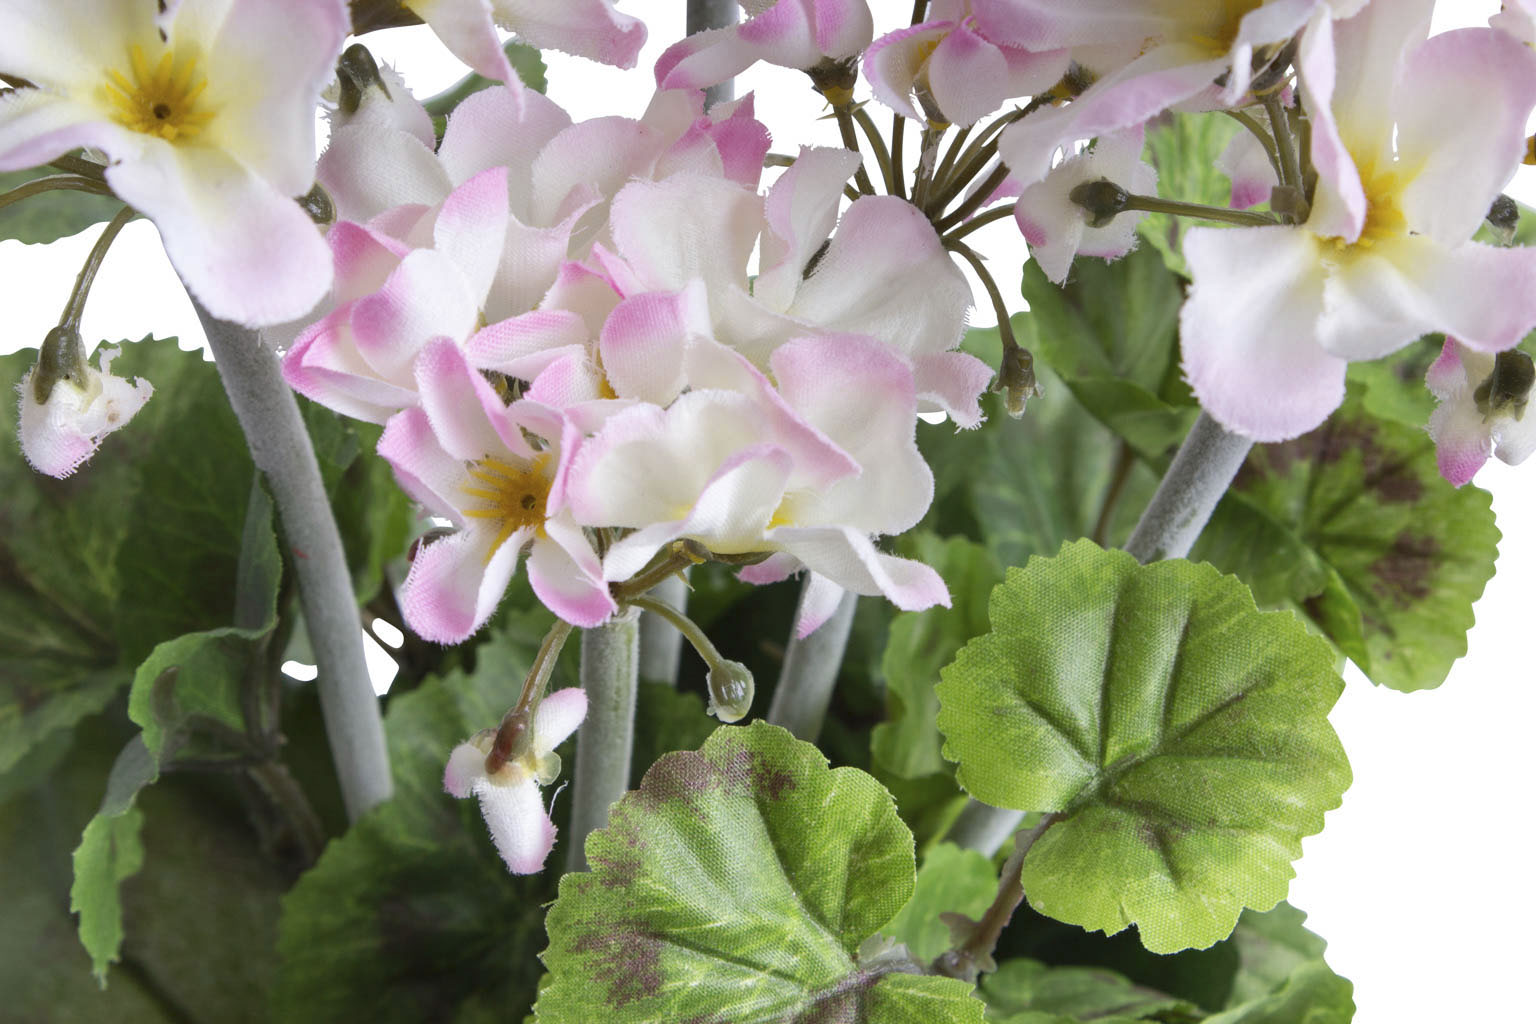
column 62, row 357
column 1103, row 199
column 1508, row 388
column 317, row 203
column 1504, row 218
column 358, row 72
column 731, row 689
column 1016, row 379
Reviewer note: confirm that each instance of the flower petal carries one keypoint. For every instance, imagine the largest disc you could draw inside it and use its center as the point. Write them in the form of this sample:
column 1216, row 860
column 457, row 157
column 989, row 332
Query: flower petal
column 465, row 768
column 518, row 823
column 455, row 583
column 425, row 471
column 38, row 126
column 559, row 715
column 199, row 199
column 567, row 575
column 848, row 558
column 1249, row 340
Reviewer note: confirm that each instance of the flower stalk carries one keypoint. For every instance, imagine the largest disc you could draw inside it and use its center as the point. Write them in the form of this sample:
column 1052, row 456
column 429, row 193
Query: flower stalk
column 610, row 664
column 811, row 664
column 281, row 449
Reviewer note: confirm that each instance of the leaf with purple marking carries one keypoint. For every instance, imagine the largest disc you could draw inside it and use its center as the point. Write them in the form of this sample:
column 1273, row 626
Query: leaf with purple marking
column 1353, row 526
column 741, row 882
column 1180, row 733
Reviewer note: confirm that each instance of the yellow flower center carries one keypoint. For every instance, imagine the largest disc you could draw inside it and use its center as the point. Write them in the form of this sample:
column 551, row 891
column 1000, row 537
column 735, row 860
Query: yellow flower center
column 1384, row 219
column 161, row 98
column 1226, row 18
column 510, row 496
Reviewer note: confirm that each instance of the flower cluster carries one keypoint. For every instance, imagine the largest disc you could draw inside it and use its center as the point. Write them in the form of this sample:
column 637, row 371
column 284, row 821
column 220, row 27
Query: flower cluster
column 560, row 327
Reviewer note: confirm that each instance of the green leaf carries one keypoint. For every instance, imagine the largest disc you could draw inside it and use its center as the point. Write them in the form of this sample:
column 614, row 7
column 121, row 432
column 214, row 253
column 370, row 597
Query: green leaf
column 1023, row 487
column 1270, row 946
column 411, row 915
column 1030, row 992
column 1393, row 388
column 1311, row 995
column 1181, row 734
column 192, row 696
column 1111, row 333
column 109, row 852
column 50, row 216
column 923, row 642
column 951, row 880
column 1353, row 525
column 740, row 883
column 1184, row 149
column 667, row 719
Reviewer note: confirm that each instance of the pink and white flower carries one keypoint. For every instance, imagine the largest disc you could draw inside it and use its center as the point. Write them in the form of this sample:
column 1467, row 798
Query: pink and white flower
column 60, row 432
column 466, row 455
column 510, row 799
column 585, row 28
column 1156, row 54
column 1479, row 414
column 1405, row 178
column 206, row 114
column 955, row 72
column 788, row 33
column 1059, row 230
column 814, row 468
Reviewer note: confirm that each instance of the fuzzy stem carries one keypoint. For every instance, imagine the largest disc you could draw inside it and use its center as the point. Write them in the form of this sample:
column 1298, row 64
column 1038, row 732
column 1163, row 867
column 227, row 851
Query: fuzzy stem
column 1205, row 464
column 281, row 449
column 661, row 645
column 810, row 669
column 702, row 16
column 984, row 827
column 610, row 662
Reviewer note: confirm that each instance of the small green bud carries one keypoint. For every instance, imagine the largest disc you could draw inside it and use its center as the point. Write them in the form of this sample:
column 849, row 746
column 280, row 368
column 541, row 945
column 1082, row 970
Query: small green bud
column 1103, row 199
column 731, row 689
column 1508, row 388
column 317, row 203
column 1016, row 379
column 62, row 357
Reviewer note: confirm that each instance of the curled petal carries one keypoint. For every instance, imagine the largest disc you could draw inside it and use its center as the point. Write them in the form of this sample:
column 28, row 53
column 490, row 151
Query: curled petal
column 849, row 559
column 567, row 575
column 464, row 770
column 519, row 825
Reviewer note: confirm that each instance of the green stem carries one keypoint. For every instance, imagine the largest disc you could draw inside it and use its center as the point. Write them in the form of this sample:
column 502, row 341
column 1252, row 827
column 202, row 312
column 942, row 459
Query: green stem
column 877, row 146
column 922, row 183
column 1191, row 488
column 811, row 665
column 851, row 141
column 281, row 449
column 977, row 200
column 1125, row 460
column 75, row 308
column 980, row 221
column 661, row 643
column 974, row 955
column 898, row 172
column 52, row 183
column 610, row 665
column 1290, row 167
column 947, row 164
column 515, row 729
column 1154, row 204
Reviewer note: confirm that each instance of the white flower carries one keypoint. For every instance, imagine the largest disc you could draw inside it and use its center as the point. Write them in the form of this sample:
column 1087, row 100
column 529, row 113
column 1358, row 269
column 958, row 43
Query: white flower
column 66, row 427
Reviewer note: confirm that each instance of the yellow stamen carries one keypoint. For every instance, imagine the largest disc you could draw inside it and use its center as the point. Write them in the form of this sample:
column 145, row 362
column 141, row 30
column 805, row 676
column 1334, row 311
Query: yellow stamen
column 513, row 497
column 160, row 99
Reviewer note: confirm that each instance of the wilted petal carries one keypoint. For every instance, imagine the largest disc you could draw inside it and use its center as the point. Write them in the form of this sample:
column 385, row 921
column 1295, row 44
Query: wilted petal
column 65, row 430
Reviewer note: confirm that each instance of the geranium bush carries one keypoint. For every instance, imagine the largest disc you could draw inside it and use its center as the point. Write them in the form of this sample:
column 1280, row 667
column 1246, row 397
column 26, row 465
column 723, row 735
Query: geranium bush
column 1037, row 732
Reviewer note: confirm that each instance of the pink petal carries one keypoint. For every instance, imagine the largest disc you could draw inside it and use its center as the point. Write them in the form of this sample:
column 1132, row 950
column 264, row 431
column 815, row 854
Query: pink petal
column 801, row 211
column 472, row 227
column 954, row 382
column 426, row 297
column 849, row 559
column 38, row 126
column 455, row 583
column 1462, row 440
column 969, row 77
column 425, row 471
column 644, row 341
column 467, row 415
column 522, row 346
column 586, row 28
column 893, row 61
column 567, row 575
column 468, row 29
column 324, row 365
column 500, row 128
column 1339, row 203
column 818, row 603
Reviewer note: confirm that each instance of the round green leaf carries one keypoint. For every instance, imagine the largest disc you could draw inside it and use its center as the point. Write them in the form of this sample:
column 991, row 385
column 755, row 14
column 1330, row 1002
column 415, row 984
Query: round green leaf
column 740, row 883
column 1181, row 734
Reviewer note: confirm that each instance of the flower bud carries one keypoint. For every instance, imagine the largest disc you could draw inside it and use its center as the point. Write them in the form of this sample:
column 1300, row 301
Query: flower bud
column 1103, row 199
column 731, row 688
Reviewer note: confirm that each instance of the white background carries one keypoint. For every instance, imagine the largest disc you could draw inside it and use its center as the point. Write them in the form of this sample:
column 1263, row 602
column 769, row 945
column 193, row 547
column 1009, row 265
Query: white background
column 1422, row 882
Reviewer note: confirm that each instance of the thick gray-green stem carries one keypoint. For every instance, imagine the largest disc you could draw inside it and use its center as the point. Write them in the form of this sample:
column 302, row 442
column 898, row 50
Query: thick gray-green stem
column 1196, row 480
column 661, row 645
column 1201, row 471
column 810, row 669
column 610, row 663
column 708, row 14
column 281, row 449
